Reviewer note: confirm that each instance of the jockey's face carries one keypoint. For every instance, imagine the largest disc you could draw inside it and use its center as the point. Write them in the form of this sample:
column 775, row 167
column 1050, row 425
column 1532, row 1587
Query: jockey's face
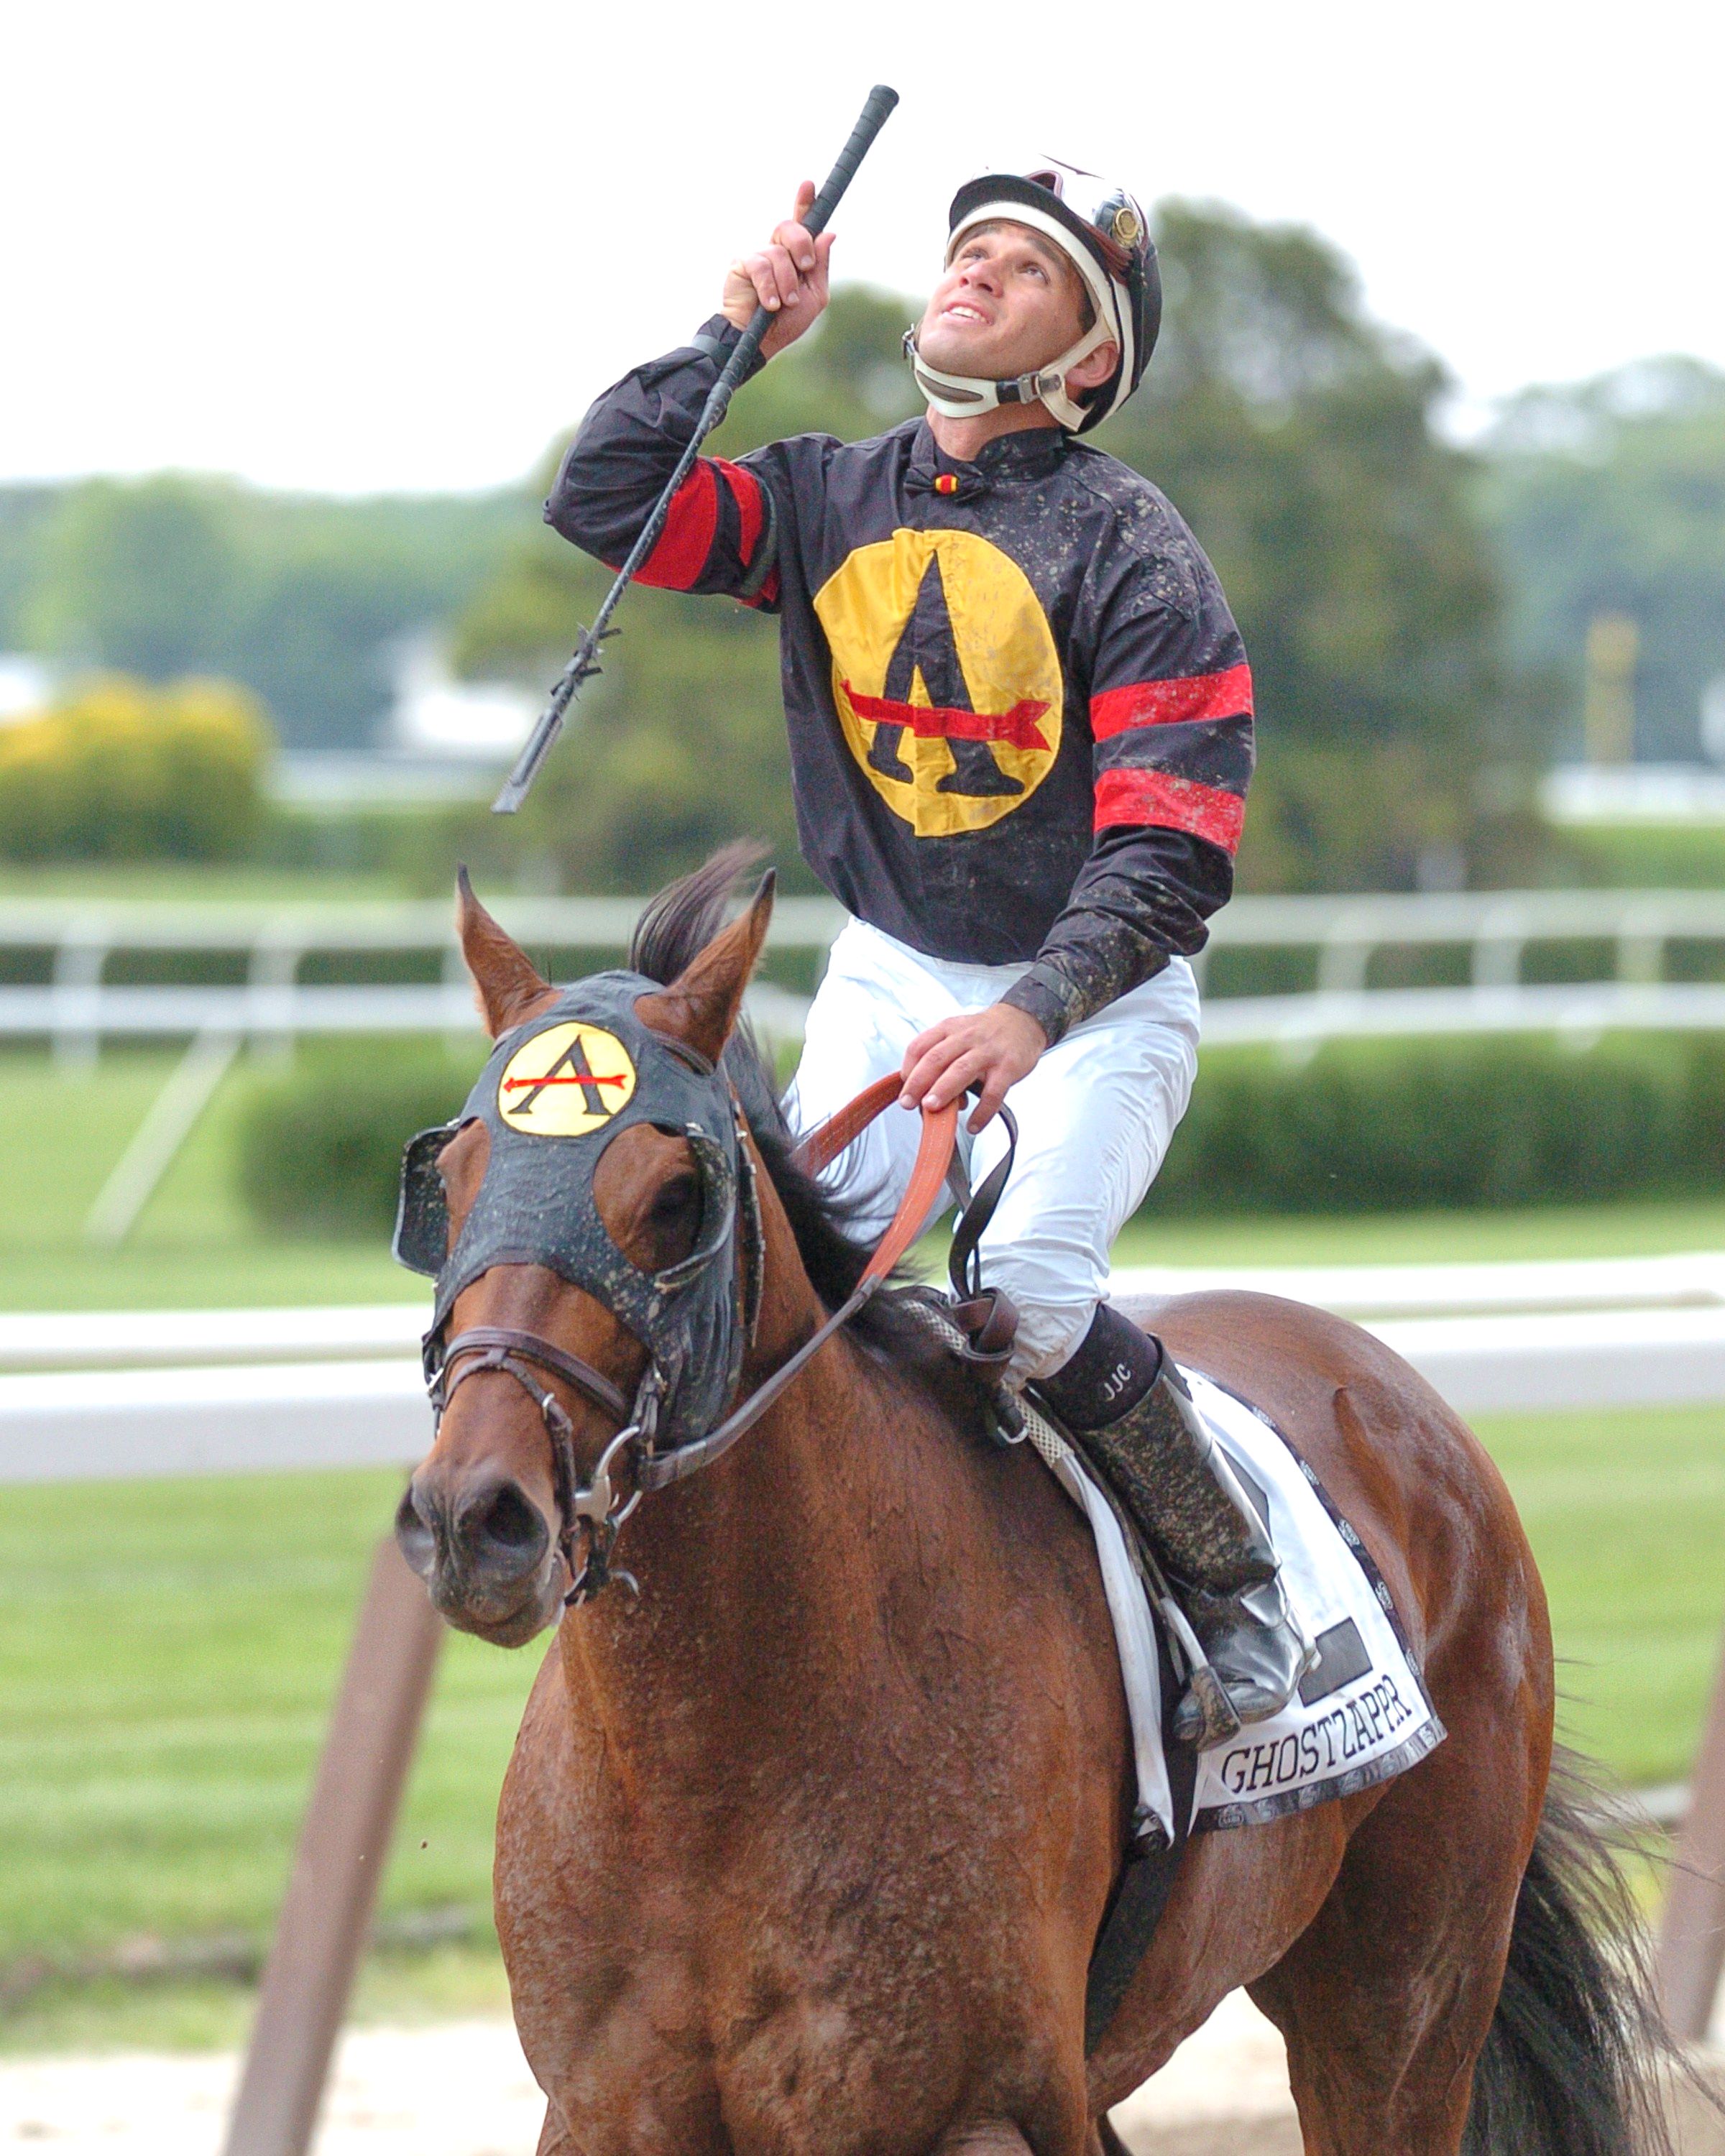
column 1009, row 302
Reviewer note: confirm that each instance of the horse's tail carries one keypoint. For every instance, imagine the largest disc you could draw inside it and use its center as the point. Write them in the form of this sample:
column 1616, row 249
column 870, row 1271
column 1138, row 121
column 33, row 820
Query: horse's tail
column 1576, row 2061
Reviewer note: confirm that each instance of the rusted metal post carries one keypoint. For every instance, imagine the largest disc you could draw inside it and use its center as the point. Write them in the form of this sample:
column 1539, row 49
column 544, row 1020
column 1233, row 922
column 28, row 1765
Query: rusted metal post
column 343, row 1843
column 1692, row 1937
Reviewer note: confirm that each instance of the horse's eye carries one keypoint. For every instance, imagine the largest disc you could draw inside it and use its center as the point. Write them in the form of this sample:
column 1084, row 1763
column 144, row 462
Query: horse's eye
column 674, row 1199
column 673, row 1217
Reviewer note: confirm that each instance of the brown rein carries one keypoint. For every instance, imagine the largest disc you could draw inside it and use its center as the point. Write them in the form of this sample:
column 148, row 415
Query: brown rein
column 592, row 1508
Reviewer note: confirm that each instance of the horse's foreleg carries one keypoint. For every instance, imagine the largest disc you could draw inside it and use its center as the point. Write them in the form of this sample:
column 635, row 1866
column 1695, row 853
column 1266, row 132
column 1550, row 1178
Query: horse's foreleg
column 1105, row 2141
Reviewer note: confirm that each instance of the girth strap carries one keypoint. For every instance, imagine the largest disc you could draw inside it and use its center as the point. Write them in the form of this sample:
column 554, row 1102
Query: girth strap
column 1146, row 1880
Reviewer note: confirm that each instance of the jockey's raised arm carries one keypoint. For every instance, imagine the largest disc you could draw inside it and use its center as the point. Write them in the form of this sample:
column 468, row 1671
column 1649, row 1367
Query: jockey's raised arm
column 719, row 528
column 719, row 536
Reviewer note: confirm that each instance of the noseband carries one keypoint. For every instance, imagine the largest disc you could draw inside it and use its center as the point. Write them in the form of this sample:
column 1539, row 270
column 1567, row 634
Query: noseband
column 592, row 1512
column 587, row 1511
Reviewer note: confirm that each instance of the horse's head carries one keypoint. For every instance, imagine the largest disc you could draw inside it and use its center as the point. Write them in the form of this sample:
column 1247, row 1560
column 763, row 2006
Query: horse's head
column 587, row 1220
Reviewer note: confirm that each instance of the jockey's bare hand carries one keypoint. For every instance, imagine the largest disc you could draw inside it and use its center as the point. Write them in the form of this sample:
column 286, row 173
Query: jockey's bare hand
column 788, row 277
column 993, row 1048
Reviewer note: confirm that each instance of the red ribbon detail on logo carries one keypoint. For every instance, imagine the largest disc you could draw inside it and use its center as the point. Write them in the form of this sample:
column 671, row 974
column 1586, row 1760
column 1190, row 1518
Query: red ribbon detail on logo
column 1017, row 727
column 514, row 1085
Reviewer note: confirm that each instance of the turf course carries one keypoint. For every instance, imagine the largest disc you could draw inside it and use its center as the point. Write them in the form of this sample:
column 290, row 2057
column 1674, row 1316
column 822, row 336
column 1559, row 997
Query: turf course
column 193, row 1247
column 168, row 1652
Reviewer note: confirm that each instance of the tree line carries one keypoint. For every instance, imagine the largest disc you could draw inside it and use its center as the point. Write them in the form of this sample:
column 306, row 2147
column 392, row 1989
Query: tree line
column 302, row 598
column 1415, row 611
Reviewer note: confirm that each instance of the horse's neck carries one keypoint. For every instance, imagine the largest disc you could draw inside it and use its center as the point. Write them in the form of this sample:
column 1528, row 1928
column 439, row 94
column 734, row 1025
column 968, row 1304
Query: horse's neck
column 759, row 1574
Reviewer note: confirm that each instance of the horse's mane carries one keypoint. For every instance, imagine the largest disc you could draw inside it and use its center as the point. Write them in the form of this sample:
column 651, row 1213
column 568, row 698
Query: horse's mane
column 674, row 928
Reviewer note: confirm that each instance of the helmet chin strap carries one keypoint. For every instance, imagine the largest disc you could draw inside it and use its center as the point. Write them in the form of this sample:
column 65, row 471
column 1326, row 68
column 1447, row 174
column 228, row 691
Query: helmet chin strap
column 963, row 396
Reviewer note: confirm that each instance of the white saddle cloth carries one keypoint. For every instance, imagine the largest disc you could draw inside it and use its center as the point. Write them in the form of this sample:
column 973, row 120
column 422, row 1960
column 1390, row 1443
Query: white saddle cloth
column 1361, row 1715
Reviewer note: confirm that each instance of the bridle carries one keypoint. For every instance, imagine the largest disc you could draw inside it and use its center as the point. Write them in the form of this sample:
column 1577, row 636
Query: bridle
column 589, row 1513
column 592, row 1512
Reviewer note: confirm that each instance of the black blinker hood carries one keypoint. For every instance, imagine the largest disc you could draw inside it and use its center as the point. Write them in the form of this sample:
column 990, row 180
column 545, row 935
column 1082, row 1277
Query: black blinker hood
column 551, row 1109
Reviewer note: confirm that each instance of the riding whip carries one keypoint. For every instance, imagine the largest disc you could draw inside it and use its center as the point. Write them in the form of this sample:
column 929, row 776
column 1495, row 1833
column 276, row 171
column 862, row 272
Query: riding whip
column 586, row 662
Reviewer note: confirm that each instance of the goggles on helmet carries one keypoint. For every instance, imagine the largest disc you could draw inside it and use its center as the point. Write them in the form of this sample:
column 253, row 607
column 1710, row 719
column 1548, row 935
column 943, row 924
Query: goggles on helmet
column 1103, row 233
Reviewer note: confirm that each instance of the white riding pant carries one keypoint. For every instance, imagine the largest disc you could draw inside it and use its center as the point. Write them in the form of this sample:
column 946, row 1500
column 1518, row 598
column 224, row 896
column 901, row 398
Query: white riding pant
column 1095, row 1118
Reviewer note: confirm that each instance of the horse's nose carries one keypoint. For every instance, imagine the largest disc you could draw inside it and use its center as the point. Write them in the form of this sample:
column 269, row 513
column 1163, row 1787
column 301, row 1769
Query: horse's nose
column 468, row 1537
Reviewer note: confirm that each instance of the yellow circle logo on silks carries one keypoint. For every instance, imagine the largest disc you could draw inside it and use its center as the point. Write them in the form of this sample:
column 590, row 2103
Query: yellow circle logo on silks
column 946, row 677
column 565, row 1081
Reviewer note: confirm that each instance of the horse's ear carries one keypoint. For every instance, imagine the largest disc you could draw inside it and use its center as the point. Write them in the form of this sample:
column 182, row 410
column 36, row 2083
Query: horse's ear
column 506, row 984
column 700, row 1006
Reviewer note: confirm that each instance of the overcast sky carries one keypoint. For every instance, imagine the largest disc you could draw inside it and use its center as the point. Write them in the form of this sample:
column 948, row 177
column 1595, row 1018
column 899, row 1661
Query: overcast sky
column 375, row 245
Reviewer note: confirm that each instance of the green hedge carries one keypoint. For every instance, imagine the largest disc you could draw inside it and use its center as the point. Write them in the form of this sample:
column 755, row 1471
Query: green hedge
column 122, row 771
column 1388, row 1126
column 1361, row 1127
column 320, row 1148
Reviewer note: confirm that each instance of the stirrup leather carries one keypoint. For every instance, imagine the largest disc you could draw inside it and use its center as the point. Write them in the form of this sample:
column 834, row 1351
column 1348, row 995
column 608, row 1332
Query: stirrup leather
column 1244, row 1648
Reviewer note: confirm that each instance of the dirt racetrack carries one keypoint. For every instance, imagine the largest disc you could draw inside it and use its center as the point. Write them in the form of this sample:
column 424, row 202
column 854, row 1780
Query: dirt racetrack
column 463, row 2089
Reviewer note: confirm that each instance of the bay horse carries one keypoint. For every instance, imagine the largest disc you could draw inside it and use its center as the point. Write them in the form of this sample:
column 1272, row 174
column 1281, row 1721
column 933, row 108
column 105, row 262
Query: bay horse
column 807, row 1848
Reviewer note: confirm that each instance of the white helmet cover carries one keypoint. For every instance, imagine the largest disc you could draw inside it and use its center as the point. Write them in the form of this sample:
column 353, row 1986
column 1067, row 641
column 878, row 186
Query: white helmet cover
column 1102, row 231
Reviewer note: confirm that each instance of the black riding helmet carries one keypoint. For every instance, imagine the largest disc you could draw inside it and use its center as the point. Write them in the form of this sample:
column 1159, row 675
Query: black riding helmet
column 1105, row 235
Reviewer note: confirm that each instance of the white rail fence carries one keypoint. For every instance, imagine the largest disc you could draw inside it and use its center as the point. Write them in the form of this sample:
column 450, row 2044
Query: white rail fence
column 101, row 1395
column 77, row 1005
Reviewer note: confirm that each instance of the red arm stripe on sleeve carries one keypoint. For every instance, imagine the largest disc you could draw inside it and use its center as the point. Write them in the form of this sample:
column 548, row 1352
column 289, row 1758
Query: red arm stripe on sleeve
column 1224, row 695
column 752, row 514
column 676, row 562
column 1179, row 804
column 749, row 495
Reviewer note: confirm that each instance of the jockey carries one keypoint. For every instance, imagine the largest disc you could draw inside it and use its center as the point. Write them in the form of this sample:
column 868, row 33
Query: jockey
column 1020, row 731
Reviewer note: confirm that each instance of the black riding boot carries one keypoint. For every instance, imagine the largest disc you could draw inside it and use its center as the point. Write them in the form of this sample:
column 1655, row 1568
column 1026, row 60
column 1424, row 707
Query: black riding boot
column 1127, row 1406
